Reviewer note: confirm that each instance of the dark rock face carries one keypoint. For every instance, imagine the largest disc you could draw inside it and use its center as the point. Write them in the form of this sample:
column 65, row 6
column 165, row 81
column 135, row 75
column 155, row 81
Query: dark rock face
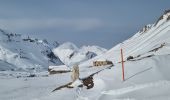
column 129, row 58
column 90, row 54
column 156, row 49
column 161, row 17
column 71, row 55
column 32, row 75
column 145, row 29
column 55, row 44
column 52, row 58
column 167, row 11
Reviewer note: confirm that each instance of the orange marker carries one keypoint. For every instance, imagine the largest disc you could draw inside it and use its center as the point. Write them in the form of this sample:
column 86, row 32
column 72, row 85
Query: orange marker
column 123, row 75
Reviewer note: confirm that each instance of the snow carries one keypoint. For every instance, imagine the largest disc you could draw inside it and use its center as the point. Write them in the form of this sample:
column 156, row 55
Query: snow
column 59, row 68
column 135, row 88
column 70, row 54
column 146, row 77
column 76, row 83
column 25, row 53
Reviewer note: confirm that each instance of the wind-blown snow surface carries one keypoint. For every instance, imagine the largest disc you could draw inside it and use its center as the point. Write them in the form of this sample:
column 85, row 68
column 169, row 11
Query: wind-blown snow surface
column 146, row 75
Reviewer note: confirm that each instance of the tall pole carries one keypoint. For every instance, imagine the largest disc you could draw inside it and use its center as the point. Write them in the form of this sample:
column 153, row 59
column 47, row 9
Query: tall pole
column 123, row 75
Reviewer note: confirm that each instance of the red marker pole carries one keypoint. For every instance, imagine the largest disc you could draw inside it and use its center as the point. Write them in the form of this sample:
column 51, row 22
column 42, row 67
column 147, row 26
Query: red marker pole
column 123, row 75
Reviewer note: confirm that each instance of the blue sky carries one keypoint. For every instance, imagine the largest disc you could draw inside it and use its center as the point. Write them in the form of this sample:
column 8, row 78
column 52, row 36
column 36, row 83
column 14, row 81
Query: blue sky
column 83, row 22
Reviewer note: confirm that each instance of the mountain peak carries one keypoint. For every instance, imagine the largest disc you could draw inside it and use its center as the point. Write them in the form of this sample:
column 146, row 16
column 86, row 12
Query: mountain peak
column 165, row 17
column 70, row 54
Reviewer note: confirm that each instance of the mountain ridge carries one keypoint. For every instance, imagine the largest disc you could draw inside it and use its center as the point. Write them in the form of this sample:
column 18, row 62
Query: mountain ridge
column 26, row 53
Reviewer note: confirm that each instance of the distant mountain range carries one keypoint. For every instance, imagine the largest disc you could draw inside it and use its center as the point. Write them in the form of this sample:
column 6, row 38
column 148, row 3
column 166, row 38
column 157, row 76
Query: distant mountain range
column 24, row 53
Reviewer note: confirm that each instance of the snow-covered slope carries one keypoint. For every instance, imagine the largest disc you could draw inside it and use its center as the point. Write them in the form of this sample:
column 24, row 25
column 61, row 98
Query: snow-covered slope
column 70, row 54
column 146, row 74
column 18, row 52
column 143, row 43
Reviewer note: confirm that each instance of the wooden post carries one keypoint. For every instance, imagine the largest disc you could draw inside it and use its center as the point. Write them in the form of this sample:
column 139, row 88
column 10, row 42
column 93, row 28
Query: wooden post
column 123, row 75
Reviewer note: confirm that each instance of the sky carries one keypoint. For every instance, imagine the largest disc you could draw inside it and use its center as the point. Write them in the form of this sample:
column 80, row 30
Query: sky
column 84, row 22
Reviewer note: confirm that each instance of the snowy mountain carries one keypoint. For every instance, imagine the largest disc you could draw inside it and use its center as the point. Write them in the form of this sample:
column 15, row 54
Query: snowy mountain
column 70, row 54
column 146, row 60
column 146, row 72
column 154, row 39
column 19, row 52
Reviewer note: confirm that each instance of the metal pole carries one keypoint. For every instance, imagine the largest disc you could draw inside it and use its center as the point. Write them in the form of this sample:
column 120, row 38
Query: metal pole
column 123, row 75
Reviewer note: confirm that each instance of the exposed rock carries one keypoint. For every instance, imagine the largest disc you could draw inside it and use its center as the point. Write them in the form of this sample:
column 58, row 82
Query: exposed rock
column 129, row 58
